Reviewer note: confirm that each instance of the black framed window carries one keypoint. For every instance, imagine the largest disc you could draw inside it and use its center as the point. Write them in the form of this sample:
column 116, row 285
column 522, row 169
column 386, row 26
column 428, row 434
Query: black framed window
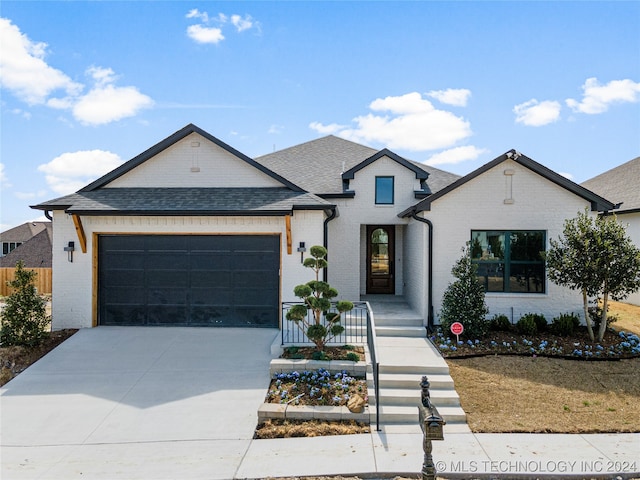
column 509, row 261
column 384, row 190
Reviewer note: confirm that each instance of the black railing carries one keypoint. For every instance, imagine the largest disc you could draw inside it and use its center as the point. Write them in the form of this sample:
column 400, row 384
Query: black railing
column 359, row 328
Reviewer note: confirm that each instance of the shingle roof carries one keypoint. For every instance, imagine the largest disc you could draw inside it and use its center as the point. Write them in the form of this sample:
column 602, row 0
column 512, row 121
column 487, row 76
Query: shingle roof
column 185, row 201
column 318, row 165
column 24, row 232
column 35, row 252
column 620, row 184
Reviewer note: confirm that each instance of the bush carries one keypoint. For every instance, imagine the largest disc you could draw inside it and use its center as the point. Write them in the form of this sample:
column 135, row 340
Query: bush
column 596, row 315
column 24, row 319
column 463, row 300
column 565, row 325
column 354, row 357
column 526, row 325
column 500, row 323
column 540, row 321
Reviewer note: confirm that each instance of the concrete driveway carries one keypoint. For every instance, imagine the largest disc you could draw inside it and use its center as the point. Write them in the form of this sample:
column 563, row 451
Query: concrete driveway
column 131, row 402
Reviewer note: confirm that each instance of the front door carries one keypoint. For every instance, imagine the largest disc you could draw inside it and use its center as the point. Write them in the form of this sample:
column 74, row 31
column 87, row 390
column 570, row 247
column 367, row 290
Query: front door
column 380, row 255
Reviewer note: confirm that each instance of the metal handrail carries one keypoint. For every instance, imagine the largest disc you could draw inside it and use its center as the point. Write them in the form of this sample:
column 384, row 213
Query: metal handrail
column 360, row 328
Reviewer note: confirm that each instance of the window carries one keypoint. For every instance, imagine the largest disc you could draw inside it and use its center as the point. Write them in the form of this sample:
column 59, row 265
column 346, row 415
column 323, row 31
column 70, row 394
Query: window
column 8, row 247
column 384, row 190
column 509, row 261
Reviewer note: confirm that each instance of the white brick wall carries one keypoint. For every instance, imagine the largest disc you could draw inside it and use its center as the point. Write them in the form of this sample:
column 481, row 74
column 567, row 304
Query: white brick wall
column 538, row 204
column 347, row 232
column 73, row 282
column 173, row 168
column 632, row 220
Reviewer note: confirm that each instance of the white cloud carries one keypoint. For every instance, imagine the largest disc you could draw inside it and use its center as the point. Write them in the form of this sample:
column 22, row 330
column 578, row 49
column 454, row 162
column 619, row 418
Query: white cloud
column 566, row 175
column 597, row 98
column 30, row 195
column 209, row 30
column 241, row 23
column 203, row 34
column 451, row 96
column 537, row 114
column 411, row 123
column 326, row 129
column 456, row 155
column 71, row 171
column 276, row 129
column 24, row 72
column 4, row 180
column 23, row 69
column 106, row 103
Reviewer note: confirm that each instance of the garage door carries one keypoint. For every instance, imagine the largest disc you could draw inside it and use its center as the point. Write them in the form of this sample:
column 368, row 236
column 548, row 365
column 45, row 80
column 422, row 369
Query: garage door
column 189, row 280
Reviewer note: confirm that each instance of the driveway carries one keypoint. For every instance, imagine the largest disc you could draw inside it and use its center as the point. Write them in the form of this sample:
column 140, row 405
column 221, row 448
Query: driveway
column 136, row 402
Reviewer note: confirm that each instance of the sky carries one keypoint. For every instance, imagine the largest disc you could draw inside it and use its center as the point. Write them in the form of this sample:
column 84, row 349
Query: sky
column 86, row 86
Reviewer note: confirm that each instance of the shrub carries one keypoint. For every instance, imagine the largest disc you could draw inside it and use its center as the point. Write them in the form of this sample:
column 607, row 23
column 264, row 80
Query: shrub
column 24, row 319
column 596, row 315
column 565, row 325
column 526, row 325
column 540, row 321
column 500, row 323
column 354, row 357
column 463, row 300
column 324, row 324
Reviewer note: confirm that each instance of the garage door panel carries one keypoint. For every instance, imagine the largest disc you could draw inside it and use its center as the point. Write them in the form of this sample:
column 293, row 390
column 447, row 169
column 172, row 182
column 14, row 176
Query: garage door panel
column 167, row 315
column 199, row 280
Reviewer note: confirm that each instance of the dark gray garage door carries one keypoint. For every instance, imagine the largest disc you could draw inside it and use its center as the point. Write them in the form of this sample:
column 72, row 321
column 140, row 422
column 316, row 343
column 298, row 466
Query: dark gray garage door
column 189, row 280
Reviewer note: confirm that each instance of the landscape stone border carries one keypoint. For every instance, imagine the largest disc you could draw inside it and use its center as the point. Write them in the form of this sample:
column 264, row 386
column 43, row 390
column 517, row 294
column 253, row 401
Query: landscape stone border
column 318, row 412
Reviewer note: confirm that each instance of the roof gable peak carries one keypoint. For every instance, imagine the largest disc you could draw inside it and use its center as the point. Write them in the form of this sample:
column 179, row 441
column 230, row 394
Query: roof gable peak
column 385, row 152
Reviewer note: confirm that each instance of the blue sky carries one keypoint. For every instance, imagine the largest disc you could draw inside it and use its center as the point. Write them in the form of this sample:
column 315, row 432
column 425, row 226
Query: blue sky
column 88, row 85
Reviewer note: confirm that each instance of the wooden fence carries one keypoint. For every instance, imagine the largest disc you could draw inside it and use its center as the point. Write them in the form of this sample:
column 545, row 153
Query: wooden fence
column 43, row 279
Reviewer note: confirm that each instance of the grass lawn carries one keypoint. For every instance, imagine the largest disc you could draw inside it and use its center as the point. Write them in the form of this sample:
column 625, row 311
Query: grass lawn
column 538, row 394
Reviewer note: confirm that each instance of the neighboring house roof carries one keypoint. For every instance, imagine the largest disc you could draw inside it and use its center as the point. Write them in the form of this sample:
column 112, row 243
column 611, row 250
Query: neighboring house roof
column 598, row 203
column 318, row 165
column 186, row 201
column 168, row 142
column 622, row 184
column 24, row 232
column 34, row 253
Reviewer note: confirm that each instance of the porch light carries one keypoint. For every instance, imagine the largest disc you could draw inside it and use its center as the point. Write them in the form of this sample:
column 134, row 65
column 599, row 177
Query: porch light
column 302, row 249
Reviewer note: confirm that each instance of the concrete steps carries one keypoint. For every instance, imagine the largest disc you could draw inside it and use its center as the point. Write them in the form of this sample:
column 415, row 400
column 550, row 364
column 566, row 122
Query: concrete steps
column 405, row 355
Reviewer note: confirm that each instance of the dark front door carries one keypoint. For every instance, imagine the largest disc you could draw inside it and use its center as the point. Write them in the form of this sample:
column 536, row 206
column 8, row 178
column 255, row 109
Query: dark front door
column 189, row 280
column 380, row 255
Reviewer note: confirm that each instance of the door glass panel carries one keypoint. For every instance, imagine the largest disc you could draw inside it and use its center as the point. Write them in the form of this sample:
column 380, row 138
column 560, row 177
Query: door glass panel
column 380, row 252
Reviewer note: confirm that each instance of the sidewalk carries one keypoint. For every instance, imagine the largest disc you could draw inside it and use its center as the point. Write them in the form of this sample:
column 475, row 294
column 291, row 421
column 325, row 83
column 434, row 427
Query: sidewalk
column 460, row 455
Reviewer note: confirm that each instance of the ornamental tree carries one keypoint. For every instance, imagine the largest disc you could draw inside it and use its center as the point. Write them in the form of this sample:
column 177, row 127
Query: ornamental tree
column 315, row 315
column 463, row 300
column 24, row 318
column 597, row 257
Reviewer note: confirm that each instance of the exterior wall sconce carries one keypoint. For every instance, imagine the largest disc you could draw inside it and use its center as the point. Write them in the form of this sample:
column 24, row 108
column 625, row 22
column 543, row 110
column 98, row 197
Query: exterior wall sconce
column 69, row 249
column 302, row 249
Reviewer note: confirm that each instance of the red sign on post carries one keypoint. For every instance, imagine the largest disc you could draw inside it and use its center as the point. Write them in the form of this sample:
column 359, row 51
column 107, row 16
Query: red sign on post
column 457, row 328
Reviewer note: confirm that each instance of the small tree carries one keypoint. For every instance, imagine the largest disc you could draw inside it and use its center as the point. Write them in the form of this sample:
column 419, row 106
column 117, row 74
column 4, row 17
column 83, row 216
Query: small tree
column 24, row 318
column 597, row 257
column 316, row 295
column 463, row 300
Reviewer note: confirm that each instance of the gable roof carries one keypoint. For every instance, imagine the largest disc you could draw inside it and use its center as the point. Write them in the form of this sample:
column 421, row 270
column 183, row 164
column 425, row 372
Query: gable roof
column 420, row 173
column 24, row 232
column 34, row 253
column 186, row 201
column 621, row 183
column 597, row 202
column 168, row 142
column 318, row 165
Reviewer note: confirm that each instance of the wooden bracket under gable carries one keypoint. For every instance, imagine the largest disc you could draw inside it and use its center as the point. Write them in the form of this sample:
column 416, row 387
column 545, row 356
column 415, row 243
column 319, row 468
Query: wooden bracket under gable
column 82, row 238
column 287, row 220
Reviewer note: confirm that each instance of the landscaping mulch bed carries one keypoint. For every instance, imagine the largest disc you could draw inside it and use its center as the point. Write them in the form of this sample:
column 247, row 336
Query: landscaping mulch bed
column 576, row 347
column 14, row 360
column 277, row 428
column 329, row 353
